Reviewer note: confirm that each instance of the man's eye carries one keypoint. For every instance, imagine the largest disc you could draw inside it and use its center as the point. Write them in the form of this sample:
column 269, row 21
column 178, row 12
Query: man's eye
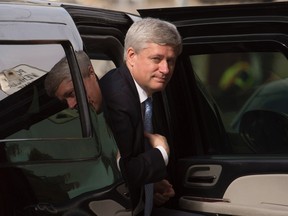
column 71, row 94
column 156, row 59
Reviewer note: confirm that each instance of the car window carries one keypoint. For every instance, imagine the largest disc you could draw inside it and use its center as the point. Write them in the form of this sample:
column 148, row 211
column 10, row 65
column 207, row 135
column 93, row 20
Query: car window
column 244, row 81
column 18, row 69
column 24, row 103
column 38, row 129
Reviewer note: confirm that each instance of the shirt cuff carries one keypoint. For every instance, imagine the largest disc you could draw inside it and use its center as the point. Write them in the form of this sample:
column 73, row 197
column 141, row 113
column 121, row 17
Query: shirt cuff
column 118, row 163
column 164, row 154
column 161, row 149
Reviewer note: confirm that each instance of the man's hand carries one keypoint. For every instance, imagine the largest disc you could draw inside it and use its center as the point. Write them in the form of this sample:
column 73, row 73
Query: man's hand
column 163, row 191
column 157, row 140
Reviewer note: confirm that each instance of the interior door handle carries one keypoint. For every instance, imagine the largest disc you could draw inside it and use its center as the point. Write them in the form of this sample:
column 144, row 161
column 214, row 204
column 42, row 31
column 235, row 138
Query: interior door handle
column 202, row 179
column 202, row 175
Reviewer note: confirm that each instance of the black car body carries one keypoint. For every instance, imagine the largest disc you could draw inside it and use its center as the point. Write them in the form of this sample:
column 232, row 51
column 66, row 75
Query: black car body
column 228, row 85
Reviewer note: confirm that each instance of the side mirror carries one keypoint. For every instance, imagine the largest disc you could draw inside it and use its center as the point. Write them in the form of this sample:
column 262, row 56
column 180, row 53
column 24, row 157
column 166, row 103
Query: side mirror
column 265, row 131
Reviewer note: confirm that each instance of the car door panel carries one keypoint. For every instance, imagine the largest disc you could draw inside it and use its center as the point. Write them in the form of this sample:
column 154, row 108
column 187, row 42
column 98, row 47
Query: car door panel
column 216, row 171
column 102, row 32
column 53, row 161
column 247, row 195
column 261, row 193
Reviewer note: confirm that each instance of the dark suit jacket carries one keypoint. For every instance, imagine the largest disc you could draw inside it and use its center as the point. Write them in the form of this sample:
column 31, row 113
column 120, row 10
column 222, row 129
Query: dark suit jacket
column 122, row 110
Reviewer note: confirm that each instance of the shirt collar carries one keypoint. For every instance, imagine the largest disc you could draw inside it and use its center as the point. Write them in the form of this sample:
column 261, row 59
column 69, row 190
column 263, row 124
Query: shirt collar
column 142, row 94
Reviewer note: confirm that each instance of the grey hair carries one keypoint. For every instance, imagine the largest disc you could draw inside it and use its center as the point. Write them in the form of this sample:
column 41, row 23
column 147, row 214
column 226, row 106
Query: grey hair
column 61, row 71
column 152, row 30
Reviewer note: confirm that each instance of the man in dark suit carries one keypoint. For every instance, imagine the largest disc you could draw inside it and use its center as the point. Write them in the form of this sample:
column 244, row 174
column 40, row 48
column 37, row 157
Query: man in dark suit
column 151, row 49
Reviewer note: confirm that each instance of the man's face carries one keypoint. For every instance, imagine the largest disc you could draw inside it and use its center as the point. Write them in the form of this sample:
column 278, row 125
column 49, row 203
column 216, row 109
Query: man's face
column 152, row 67
column 65, row 92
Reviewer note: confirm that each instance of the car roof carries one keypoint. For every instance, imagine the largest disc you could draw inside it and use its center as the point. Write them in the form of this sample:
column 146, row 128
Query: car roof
column 29, row 21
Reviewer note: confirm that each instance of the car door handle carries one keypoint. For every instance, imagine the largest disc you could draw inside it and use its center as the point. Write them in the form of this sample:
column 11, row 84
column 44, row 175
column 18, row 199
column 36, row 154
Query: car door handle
column 201, row 179
column 202, row 175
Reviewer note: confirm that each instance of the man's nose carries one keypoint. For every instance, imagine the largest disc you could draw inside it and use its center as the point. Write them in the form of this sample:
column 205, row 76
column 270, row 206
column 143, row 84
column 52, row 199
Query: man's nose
column 164, row 67
column 71, row 102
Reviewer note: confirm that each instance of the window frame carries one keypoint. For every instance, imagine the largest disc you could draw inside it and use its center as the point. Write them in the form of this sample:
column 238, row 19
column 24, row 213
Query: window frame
column 202, row 131
column 83, row 107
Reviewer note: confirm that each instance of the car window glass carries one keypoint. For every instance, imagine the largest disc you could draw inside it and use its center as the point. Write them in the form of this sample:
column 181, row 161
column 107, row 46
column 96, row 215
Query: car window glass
column 241, row 82
column 39, row 129
column 17, row 69
column 29, row 117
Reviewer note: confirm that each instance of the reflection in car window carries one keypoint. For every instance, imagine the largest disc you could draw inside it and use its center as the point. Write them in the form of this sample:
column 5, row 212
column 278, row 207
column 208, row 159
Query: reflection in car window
column 38, row 129
column 17, row 69
column 232, row 82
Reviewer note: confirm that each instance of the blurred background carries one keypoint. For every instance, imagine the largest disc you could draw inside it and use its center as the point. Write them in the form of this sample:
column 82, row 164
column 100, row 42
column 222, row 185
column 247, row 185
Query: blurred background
column 131, row 6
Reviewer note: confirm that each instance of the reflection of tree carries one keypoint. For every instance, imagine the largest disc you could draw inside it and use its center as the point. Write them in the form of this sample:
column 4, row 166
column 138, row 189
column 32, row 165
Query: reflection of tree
column 35, row 155
column 49, row 189
column 13, row 149
column 59, row 180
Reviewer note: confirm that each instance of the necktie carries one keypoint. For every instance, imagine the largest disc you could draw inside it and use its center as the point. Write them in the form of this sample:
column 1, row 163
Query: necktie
column 148, row 127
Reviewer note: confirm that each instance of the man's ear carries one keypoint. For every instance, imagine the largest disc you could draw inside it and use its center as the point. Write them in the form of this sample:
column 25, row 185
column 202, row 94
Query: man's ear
column 130, row 55
column 91, row 70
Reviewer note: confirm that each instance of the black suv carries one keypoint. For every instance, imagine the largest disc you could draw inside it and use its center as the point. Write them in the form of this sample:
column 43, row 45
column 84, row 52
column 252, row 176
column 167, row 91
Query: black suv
column 224, row 112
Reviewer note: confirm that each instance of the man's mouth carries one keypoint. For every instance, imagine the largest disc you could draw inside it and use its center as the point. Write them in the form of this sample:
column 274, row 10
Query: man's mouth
column 161, row 78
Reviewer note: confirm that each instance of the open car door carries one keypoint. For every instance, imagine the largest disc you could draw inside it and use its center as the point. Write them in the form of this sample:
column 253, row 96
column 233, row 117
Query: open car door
column 226, row 160
column 54, row 160
column 103, row 32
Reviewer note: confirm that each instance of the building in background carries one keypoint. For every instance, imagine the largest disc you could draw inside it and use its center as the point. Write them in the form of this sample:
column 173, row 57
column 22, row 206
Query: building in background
column 132, row 5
